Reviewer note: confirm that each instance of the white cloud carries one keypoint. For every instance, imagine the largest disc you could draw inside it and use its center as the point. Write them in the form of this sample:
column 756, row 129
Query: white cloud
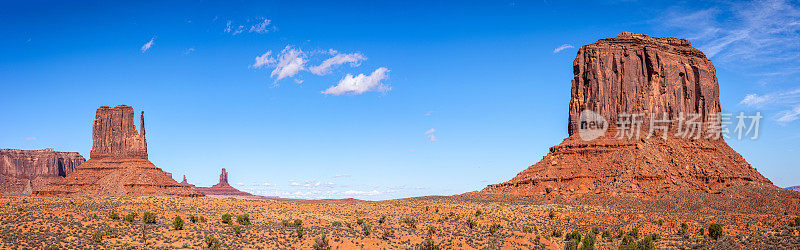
column 562, row 47
column 147, row 45
column 341, row 176
column 357, row 192
column 429, row 113
column 354, row 59
column 264, row 60
column 754, row 99
column 188, row 51
column 789, row 115
column 30, row 138
column 294, row 184
column 262, row 27
column 431, row 135
column 290, row 62
column 361, row 83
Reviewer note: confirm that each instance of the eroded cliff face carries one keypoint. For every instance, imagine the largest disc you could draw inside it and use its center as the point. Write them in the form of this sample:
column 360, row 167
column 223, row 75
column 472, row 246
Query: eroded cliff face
column 118, row 164
column 638, row 74
column 23, row 171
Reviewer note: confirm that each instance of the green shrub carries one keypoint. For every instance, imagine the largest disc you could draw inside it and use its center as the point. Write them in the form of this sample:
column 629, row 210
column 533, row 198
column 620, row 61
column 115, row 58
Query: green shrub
column 366, row 229
column 478, row 213
column 321, row 243
column 494, row 229
column 595, row 230
column 557, row 233
column 551, row 214
column 130, row 217
column 387, row 234
column 177, row 223
column 382, row 219
column 427, row 244
column 471, row 223
column 227, row 219
column 571, row 244
column 588, row 241
column 212, row 242
column 634, row 232
column 113, row 215
column 360, row 221
column 237, row 230
column 660, row 222
column 431, row 231
column 715, row 230
column 795, row 223
column 149, row 218
column 411, row 222
column 193, row 218
column 299, row 231
column 606, row 234
column 336, row 224
column 298, row 223
column 628, row 242
column 97, row 236
column 574, row 235
column 527, row 230
column 645, row 244
column 348, row 225
column 243, row 219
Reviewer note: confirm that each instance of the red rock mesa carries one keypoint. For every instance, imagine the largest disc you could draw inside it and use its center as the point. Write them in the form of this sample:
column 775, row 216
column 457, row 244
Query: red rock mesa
column 118, row 164
column 24, row 171
column 222, row 188
column 635, row 73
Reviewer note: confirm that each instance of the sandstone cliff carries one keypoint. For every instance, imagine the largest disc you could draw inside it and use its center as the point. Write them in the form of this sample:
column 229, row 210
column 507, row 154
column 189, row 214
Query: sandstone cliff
column 23, row 171
column 635, row 73
column 118, row 164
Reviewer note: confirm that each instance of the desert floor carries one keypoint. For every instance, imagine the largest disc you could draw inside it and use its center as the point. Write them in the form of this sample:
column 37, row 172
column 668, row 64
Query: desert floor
column 41, row 223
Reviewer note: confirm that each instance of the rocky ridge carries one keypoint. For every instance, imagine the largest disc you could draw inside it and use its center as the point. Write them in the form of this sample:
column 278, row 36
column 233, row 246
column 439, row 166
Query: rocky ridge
column 24, row 171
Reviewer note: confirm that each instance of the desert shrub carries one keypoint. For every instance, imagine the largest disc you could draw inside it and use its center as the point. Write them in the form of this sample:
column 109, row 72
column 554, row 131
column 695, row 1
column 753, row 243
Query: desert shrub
column 286, row 223
column 606, row 234
column 359, row 221
column 660, row 222
column 715, row 230
column 321, row 243
column 382, row 219
column 19, row 209
column 574, row 235
column 336, row 224
column 628, row 242
column 177, row 223
column 551, row 214
column 458, row 217
column 299, row 232
column 348, row 225
column 655, row 237
column 645, row 244
column 149, row 218
column 97, row 236
column 527, row 230
column 431, row 231
column 595, row 230
column 227, row 219
column 702, row 231
column 113, row 215
column 427, row 208
column 243, row 219
column 366, row 229
column 130, row 217
column 427, row 244
column 193, row 218
column 682, row 230
column 211, row 242
column 437, row 210
column 298, row 223
column 237, row 230
column 494, row 229
column 795, row 223
column 471, row 223
column 588, row 241
column 634, row 232
column 478, row 213
column 571, row 244
column 387, row 234
column 557, row 233
column 411, row 222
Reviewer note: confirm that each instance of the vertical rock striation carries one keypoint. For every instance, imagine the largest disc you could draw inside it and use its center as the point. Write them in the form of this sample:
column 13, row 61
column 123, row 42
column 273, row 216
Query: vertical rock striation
column 23, row 171
column 633, row 74
column 118, row 164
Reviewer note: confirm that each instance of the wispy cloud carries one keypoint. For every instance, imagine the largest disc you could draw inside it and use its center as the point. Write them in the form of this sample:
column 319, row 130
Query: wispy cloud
column 325, row 67
column 431, row 135
column 361, row 83
column 562, row 47
column 789, row 115
column 261, row 26
column 188, row 51
column 788, row 102
column 265, row 59
column 147, row 45
column 341, row 176
column 30, row 138
column 760, row 32
column 290, row 62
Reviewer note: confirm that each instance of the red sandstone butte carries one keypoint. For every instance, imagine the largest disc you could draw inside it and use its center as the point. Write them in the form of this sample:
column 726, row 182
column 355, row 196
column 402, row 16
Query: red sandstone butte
column 222, row 188
column 118, row 164
column 24, row 171
column 634, row 73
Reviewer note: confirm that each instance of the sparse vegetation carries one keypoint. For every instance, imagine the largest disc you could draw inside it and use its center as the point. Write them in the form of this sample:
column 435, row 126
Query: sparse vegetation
column 606, row 234
column 177, row 223
column 382, row 219
column 387, row 234
column 471, row 223
column 243, row 219
column 634, row 233
column 595, row 230
column 97, row 236
column 411, row 222
column 299, row 232
column 715, row 231
column 527, row 230
column 660, row 222
column 571, row 244
column 795, row 223
column 557, row 233
column 211, row 242
column 427, row 244
column 113, row 215
column 551, row 214
column 588, row 241
column 335, row 224
column 494, row 229
column 366, row 229
column 478, row 213
column 149, row 218
column 227, row 219
column 575, row 235
column 130, row 217
column 431, row 231
column 359, row 221
column 321, row 243
column 237, row 230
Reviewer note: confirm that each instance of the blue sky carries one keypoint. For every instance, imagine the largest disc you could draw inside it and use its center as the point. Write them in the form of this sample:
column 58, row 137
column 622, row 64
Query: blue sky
column 416, row 98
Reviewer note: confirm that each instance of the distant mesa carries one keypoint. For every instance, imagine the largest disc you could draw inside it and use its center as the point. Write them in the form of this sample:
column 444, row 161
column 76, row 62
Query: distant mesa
column 24, row 171
column 119, row 165
column 638, row 74
column 220, row 189
column 794, row 188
